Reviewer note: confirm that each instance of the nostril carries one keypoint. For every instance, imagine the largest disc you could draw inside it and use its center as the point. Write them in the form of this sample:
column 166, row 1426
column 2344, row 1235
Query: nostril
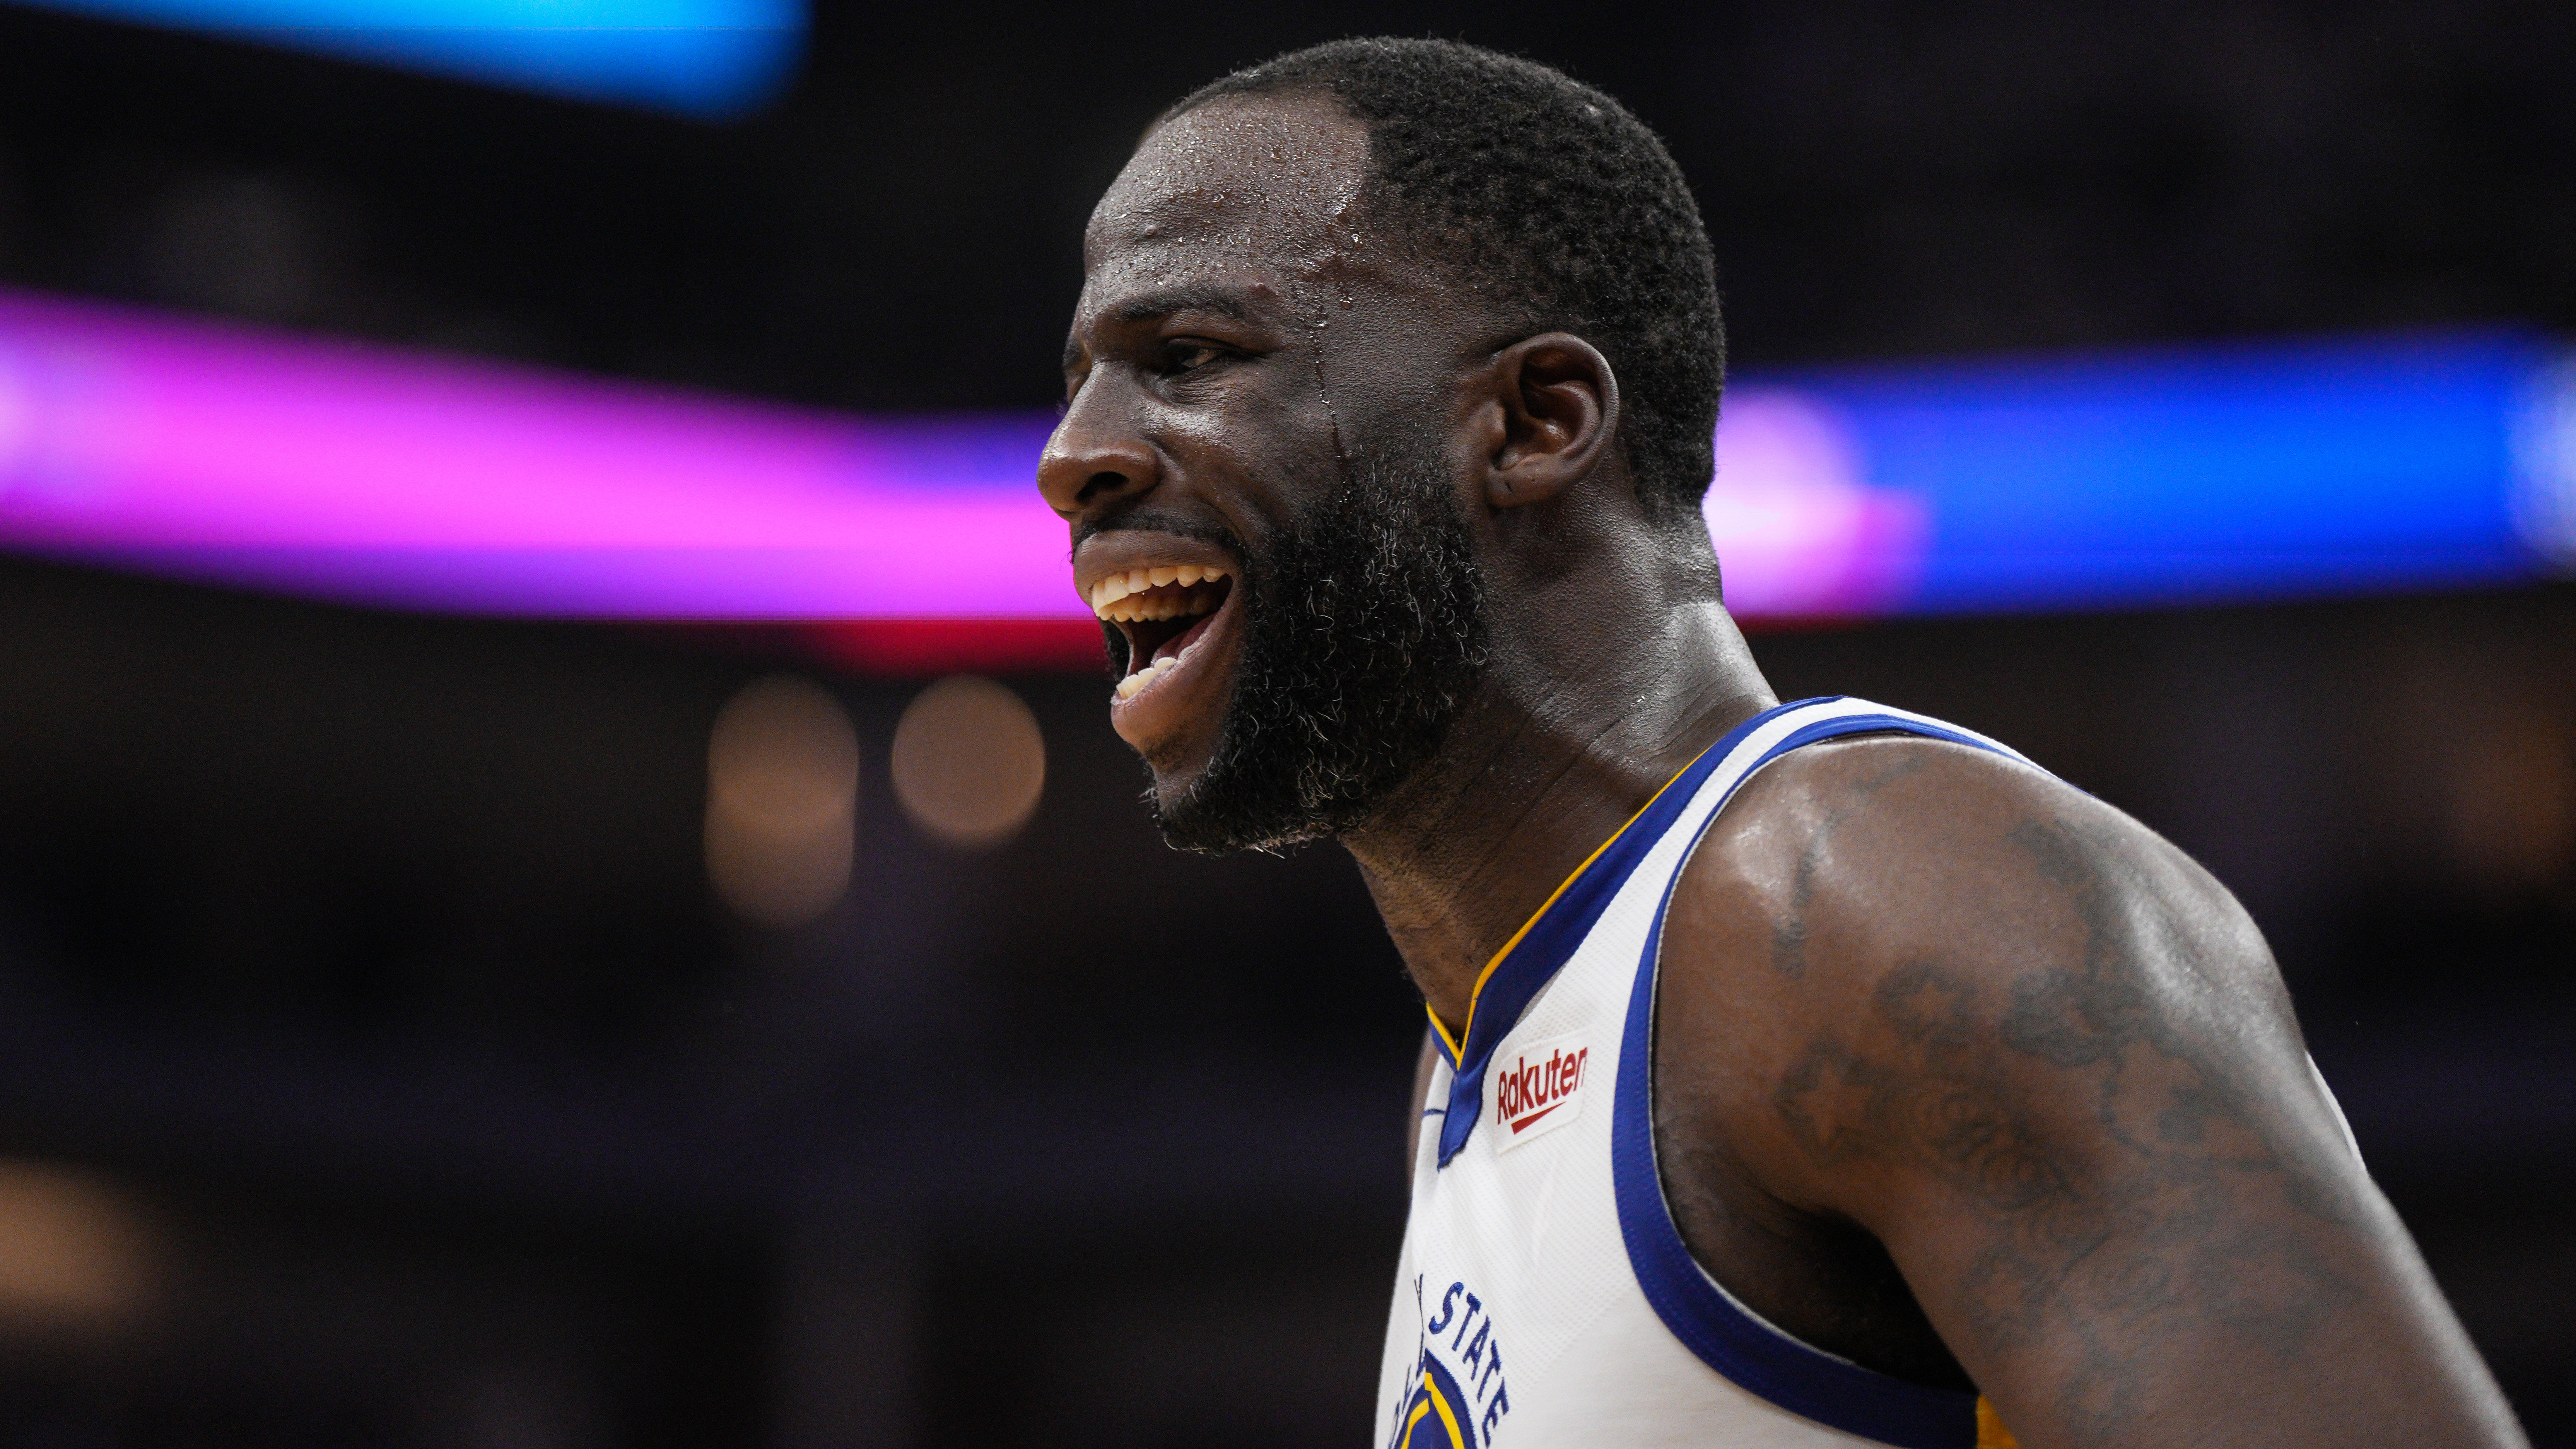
column 1100, row 484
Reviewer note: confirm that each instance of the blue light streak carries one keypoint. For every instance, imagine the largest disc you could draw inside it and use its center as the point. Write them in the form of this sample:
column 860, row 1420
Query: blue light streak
column 2214, row 472
column 713, row 59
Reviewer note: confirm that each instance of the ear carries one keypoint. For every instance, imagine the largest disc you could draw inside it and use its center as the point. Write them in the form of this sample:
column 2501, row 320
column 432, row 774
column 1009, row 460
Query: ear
column 1560, row 410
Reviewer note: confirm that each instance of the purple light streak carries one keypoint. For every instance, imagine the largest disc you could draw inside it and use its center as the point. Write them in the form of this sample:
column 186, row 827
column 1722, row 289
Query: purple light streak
column 366, row 475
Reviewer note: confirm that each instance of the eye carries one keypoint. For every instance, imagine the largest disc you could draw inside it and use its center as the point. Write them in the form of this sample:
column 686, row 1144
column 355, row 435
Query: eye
column 1188, row 354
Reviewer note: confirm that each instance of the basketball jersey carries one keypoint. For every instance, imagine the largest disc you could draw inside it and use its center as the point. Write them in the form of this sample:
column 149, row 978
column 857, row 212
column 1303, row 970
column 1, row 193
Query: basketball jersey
column 1545, row 1298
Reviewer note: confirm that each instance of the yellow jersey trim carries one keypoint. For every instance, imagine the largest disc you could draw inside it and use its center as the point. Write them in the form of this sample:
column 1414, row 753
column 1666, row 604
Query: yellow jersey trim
column 1991, row 1433
column 1456, row 1045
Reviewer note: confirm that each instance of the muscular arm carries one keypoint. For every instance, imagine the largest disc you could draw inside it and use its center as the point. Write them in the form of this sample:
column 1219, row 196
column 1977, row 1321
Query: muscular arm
column 2047, row 1062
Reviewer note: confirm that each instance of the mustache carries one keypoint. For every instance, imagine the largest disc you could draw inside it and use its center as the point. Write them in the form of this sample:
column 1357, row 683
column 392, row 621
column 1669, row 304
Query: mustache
column 1150, row 520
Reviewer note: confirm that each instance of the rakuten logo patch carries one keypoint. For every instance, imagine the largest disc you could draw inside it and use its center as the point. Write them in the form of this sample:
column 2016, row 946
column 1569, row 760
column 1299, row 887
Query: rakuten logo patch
column 1537, row 1089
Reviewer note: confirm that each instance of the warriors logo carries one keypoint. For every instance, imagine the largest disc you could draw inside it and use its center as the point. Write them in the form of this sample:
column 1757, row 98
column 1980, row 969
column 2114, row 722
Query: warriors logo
column 1437, row 1416
column 1437, row 1413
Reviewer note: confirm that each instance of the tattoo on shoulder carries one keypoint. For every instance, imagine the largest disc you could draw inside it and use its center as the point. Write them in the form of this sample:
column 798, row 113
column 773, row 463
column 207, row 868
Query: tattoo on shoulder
column 2179, row 1210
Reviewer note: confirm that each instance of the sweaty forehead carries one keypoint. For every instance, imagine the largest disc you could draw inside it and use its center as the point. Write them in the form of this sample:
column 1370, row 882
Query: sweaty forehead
column 1263, row 178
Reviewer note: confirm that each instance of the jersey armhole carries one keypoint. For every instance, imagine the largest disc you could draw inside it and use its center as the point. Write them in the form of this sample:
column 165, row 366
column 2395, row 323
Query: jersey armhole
column 1719, row 1330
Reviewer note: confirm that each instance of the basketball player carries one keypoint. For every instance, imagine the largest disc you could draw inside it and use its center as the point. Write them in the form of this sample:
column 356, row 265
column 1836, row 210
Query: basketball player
column 1800, row 1074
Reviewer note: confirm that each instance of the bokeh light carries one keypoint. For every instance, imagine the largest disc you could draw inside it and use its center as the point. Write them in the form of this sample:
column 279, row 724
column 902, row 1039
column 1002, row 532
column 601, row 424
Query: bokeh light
column 2512, row 797
column 74, row 1253
column 969, row 762
column 782, row 801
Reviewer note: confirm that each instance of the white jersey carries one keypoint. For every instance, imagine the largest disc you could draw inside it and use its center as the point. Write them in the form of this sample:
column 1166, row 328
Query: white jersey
column 1545, row 1298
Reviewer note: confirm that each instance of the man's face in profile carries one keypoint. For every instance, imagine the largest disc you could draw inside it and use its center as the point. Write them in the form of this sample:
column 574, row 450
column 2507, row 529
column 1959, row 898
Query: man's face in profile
column 1255, row 458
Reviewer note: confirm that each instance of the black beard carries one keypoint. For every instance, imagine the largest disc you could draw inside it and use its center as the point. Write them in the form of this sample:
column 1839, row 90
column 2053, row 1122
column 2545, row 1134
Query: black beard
column 1364, row 635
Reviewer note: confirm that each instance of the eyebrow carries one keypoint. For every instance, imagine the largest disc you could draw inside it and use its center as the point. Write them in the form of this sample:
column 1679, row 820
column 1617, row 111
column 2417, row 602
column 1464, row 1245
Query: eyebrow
column 1227, row 302
column 1213, row 297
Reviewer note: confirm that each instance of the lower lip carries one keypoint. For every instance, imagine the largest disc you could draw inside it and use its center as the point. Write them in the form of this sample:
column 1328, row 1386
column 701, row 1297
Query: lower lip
column 1160, row 710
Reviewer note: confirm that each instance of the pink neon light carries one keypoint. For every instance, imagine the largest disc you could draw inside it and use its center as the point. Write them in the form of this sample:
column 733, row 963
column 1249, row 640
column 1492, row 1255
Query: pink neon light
column 359, row 473
column 1798, row 529
column 363, row 474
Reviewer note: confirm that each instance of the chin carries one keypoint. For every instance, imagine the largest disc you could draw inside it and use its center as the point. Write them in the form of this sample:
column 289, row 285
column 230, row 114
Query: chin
column 1175, row 774
column 1176, row 758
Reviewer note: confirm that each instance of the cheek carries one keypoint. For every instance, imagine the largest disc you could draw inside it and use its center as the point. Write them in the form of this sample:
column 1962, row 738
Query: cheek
column 1391, row 393
column 1393, row 339
column 1370, row 393
column 1259, row 459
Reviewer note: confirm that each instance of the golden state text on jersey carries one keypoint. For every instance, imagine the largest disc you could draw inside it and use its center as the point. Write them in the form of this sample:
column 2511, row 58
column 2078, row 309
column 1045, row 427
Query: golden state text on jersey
column 1461, row 1393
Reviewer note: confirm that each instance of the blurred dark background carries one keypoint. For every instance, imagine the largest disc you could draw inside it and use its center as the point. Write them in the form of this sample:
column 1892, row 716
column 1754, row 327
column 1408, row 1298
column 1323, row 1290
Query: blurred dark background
column 379, row 1066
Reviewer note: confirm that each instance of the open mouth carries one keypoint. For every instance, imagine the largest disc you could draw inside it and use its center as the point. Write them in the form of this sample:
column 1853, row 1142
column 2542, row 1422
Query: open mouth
column 1165, row 612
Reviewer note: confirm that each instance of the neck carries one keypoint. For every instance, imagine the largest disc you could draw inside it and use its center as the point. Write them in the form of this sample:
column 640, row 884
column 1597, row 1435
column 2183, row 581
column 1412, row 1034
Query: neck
column 1569, row 735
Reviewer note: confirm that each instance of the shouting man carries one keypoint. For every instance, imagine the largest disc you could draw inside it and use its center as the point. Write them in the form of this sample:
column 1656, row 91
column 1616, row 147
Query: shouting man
column 1799, row 1074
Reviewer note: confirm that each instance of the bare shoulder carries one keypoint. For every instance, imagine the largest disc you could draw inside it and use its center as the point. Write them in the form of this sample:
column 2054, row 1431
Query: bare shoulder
column 1894, row 846
column 1872, row 911
column 2047, row 1061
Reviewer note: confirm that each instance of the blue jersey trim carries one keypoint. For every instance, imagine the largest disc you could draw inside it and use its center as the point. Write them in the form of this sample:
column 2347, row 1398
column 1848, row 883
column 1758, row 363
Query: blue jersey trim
column 1710, row 1323
column 1549, row 941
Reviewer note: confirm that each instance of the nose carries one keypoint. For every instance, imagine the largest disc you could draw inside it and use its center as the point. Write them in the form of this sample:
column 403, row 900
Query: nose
column 1097, row 455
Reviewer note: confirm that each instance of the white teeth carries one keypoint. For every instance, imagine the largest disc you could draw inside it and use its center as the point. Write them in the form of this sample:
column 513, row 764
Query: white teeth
column 1128, row 687
column 1106, row 595
column 1135, row 610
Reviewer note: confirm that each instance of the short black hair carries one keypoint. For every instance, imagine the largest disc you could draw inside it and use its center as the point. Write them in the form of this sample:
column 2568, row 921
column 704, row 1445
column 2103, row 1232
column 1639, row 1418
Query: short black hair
column 1522, row 176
